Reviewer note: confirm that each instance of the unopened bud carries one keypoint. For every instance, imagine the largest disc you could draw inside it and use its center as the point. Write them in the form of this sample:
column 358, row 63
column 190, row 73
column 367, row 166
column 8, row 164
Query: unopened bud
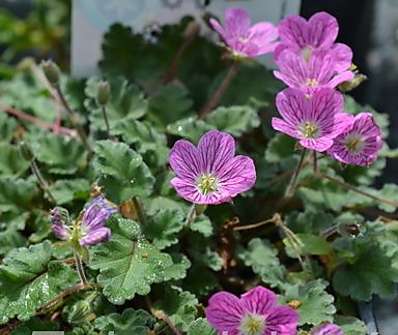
column 192, row 29
column 347, row 86
column 60, row 216
column 103, row 92
column 51, row 71
column 26, row 151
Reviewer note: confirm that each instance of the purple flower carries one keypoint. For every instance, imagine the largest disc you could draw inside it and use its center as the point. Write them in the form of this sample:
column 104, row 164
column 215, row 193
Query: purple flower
column 319, row 71
column 314, row 120
column 360, row 143
column 242, row 38
column 60, row 220
column 254, row 313
column 327, row 329
column 318, row 34
column 91, row 229
column 210, row 173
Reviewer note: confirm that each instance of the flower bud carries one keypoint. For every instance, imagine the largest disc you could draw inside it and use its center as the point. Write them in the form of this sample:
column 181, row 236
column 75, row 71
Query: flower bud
column 51, row 71
column 103, row 92
column 26, row 151
column 60, row 221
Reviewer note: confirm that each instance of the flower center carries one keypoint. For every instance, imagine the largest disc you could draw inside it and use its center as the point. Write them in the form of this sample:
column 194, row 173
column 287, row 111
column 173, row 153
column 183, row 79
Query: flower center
column 354, row 143
column 252, row 324
column 309, row 129
column 207, row 183
column 306, row 52
column 312, row 82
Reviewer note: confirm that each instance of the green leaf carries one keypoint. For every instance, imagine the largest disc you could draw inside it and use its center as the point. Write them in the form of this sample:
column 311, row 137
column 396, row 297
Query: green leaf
column 65, row 191
column 201, row 281
column 62, row 155
column 279, row 148
column 137, row 322
column 163, row 227
column 351, row 325
column 17, row 194
column 11, row 161
column 28, row 280
column 316, row 305
column 263, row 258
column 129, row 264
column 309, row 222
column 235, row 120
column 201, row 327
column 190, row 128
column 312, row 245
column 169, row 104
column 35, row 323
column 202, row 225
column 178, row 305
column 8, row 126
column 126, row 103
column 122, row 171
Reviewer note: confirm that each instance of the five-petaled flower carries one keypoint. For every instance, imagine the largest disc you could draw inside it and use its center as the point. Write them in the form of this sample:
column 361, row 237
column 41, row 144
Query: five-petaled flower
column 314, row 120
column 243, row 39
column 90, row 230
column 327, row 329
column 254, row 313
column 315, row 36
column 210, row 173
column 319, row 71
column 360, row 143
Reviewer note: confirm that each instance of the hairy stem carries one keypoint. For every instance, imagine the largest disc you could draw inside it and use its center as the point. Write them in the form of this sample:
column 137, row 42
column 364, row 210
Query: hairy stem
column 291, row 188
column 159, row 314
column 42, row 182
column 139, row 210
column 218, row 94
column 191, row 215
column 258, row 224
column 316, row 167
column 108, row 128
column 80, row 269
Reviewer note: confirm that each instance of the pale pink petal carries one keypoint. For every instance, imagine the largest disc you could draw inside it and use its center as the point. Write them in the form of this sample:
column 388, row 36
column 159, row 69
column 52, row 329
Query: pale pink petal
column 320, row 144
column 284, row 127
column 293, row 70
column 215, row 148
column 259, row 300
column 341, row 78
column 341, row 122
column 237, row 176
column 237, row 22
column 96, row 236
column 364, row 123
column 282, row 321
column 217, row 27
column 327, row 329
column 293, row 31
column 322, row 30
column 342, row 55
column 184, row 160
column 224, row 312
column 291, row 105
column 264, row 36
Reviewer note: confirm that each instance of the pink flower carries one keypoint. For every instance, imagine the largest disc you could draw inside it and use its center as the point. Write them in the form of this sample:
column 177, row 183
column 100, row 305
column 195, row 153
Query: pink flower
column 360, row 143
column 314, row 120
column 242, row 38
column 210, row 173
column 319, row 71
column 254, row 313
column 327, row 329
column 318, row 34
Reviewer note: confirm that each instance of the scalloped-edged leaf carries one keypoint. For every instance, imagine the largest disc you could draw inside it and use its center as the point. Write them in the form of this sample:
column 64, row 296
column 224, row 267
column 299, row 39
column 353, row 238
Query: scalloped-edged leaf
column 17, row 194
column 315, row 304
column 28, row 280
column 312, row 245
column 235, row 120
column 61, row 155
column 262, row 257
column 127, row 102
column 65, row 191
column 201, row 327
column 122, row 171
column 137, row 322
column 351, row 325
column 11, row 161
column 280, row 147
column 8, row 126
column 129, row 264
column 190, row 128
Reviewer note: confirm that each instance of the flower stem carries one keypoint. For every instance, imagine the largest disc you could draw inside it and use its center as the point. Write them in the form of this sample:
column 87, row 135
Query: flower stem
column 161, row 315
column 80, row 269
column 191, row 215
column 258, row 224
column 73, row 117
column 108, row 128
column 42, row 182
column 316, row 167
column 139, row 211
column 357, row 190
column 218, row 94
column 291, row 188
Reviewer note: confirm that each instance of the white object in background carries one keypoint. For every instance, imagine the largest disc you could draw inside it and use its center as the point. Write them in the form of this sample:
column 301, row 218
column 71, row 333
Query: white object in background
column 92, row 18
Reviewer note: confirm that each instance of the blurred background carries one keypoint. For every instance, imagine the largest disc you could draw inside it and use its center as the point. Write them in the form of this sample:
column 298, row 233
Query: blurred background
column 42, row 29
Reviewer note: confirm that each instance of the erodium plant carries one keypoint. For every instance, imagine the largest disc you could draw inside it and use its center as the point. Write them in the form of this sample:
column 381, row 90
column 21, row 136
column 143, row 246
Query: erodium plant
column 187, row 190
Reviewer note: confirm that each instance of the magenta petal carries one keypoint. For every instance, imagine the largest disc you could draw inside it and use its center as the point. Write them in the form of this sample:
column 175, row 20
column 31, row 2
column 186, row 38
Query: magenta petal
column 291, row 104
column 217, row 27
column 259, row 300
column 284, row 127
column 327, row 329
column 319, row 144
column 341, row 78
column 237, row 22
column 184, row 160
column 292, row 32
column 224, row 312
column 282, row 321
column 325, row 104
column 96, row 236
column 215, row 148
column 238, row 176
column 322, row 30
column 264, row 36
column 342, row 55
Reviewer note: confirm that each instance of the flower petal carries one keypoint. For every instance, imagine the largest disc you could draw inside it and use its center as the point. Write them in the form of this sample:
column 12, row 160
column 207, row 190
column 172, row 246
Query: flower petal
column 264, row 36
column 237, row 22
column 293, row 70
column 327, row 329
column 319, row 144
column 292, row 32
column 325, row 103
column 184, row 160
column 342, row 55
column 322, row 30
column 259, row 300
column 292, row 104
column 282, row 320
column 217, row 27
column 96, row 236
column 97, row 212
column 284, row 127
column 237, row 176
column 224, row 312
column 215, row 148
column 341, row 78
